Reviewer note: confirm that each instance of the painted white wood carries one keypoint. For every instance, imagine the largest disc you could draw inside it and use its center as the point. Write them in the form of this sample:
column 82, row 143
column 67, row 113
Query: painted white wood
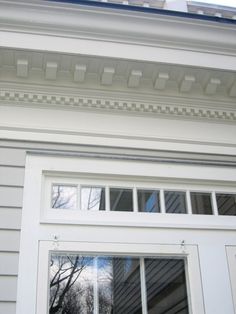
column 143, row 286
column 22, row 68
column 162, row 202
column 188, row 202
column 214, row 268
column 51, row 70
column 9, row 241
column 11, row 196
column 161, row 81
column 195, row 293
column 9, row 263
column 8, row 286
column 193, row 178
column 10, row 218
column 151, row 29
column 214, row 203
column 231, row 255
column 119, row 131
column 206, row 244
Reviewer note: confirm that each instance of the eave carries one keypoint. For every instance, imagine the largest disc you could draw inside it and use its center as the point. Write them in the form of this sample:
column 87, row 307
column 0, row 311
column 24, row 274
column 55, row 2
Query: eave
column 79, row 29
column 76, row 57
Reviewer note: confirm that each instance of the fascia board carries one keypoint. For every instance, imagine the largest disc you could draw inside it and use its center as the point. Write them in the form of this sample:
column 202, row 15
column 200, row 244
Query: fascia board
column 119, row 26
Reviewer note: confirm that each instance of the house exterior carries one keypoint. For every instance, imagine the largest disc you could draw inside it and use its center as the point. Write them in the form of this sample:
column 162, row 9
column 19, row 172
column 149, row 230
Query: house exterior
column 117, row 157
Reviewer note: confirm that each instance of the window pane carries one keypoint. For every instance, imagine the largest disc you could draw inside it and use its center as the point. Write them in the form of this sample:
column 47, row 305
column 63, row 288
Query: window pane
column 87, row 285
column 226, row 204
column 64, row 196
column 92, row 198
column 175, row 202
column 121, row 199
column 127, row 287
column 166, row 286
column 148, row 201
column 71, row 284
column 201, row 203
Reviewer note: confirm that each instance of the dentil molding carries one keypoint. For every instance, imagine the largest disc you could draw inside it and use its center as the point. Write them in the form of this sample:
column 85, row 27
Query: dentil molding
column 95, row 101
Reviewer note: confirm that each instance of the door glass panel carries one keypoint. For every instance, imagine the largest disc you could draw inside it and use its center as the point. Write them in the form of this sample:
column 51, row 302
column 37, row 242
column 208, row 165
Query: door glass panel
column 166, row 286
column 88, row 285
column 71, row 284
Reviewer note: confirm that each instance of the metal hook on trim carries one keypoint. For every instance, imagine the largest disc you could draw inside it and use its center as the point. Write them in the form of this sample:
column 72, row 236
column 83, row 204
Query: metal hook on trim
column 55, row 241
column 182, row 245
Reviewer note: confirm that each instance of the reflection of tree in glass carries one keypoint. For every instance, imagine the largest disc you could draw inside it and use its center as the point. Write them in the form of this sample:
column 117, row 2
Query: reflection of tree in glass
column 63, row 197
column 93, row 198
column 67, row 295
column 105, row 280
column 72, row 285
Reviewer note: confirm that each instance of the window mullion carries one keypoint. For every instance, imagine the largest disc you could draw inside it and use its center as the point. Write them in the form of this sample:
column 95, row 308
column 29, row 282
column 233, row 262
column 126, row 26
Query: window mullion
column 135, row 200
column 162, row 201
column 107, row 198
column 214, row 203
column 189, row 204
column 143, row 286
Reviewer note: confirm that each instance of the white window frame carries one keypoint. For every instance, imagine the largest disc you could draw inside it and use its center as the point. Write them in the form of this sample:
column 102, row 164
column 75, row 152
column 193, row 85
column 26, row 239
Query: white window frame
column 37, row 230
column 188, row 252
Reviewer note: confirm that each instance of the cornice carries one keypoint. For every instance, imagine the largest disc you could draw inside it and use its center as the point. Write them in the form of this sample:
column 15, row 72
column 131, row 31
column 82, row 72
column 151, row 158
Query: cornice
column 160, row 106
column 78, row 21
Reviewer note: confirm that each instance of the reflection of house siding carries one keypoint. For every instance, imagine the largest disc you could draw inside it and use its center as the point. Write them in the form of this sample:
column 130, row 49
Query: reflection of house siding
column 126, row 288
column 165, row 284
column 166, row 290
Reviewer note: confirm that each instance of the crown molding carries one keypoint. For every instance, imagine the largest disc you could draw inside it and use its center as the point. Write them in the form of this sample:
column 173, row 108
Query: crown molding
column 122, row 103
column 58, row 27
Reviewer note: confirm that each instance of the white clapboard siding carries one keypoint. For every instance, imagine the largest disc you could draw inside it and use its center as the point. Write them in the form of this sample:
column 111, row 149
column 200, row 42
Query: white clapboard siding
column 9, row 263
column 12, row 176
column 10, row 218
column 12, row 157
column 8, row 307
column 8, row 288
column 9, row 241
column 11, row 196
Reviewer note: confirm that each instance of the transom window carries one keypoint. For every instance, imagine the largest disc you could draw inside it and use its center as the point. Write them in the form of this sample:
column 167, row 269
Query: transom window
column 136, row 199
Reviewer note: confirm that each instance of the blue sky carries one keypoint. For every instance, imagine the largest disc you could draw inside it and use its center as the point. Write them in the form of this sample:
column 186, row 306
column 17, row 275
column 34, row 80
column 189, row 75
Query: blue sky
column 230, row 3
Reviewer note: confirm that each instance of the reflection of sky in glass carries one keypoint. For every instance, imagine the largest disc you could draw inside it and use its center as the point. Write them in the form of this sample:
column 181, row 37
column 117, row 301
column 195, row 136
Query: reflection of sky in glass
column 111, row 284
column 92, row 198
column 148, row 201
column 64, row 196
